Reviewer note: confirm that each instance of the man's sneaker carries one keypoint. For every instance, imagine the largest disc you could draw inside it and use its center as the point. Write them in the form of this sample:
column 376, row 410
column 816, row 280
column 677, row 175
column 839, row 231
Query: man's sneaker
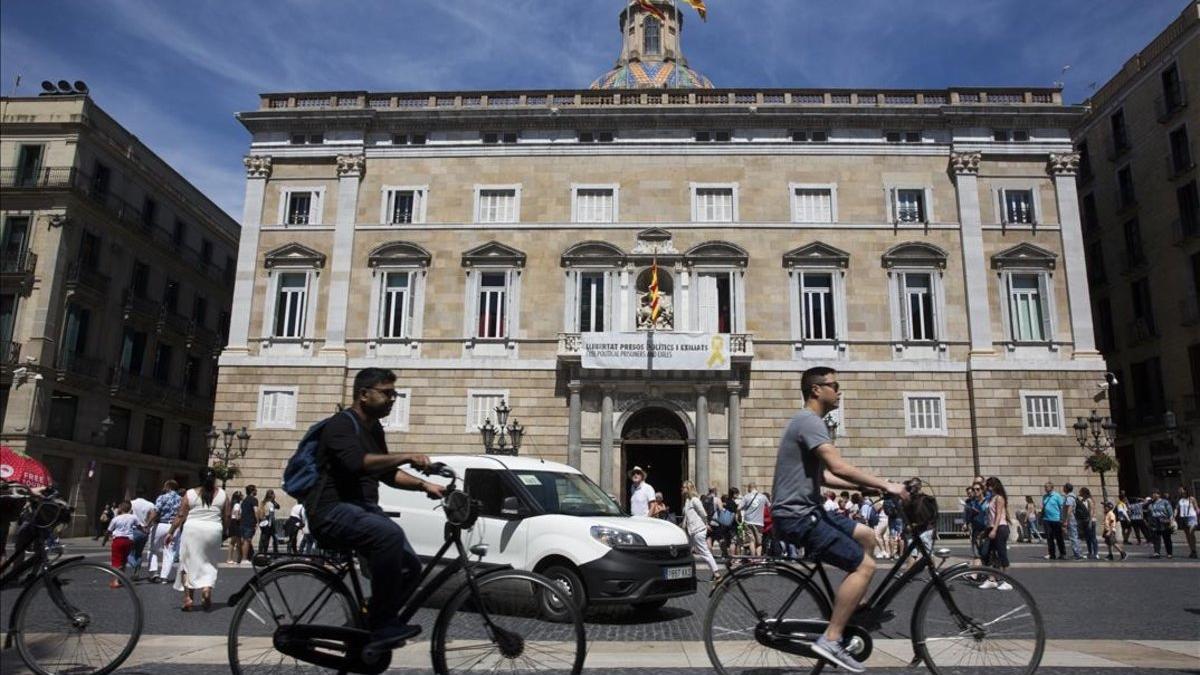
column 988, row 584
column 1049, row 557
column 1004, row 586
column 1155, row 555
column 836, row 654
column 1124, row 555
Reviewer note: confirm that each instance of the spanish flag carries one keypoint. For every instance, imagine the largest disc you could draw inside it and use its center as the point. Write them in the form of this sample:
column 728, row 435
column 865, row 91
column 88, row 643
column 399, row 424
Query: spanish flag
column 654, row 294
column 698, row 5
column 649, row 7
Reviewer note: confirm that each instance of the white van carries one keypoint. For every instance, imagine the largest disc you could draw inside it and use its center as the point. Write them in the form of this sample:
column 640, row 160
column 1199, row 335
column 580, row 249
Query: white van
column 552, row 519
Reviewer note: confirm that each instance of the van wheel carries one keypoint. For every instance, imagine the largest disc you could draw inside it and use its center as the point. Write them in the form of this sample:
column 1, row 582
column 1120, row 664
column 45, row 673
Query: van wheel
column 570, row 584
column 649, row 606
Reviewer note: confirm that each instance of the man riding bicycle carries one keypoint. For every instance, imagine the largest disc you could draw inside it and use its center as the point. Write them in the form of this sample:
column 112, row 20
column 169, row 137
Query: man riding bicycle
column 344, row 509
column 807, row 461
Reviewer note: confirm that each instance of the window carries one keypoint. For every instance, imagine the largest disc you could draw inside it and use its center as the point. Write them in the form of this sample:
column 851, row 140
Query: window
column 397, row 420
column 162, row 363
column 191, row 375
column 179, row 234
column 489, row 488
column 714, row 204
column 1120, row 136
column 1017, row 207
column 1134, row 254
column 716, row 302
column 925, row 414
column 1125, row 194
column 491, row 309
column 1148, row 400
column 152, row 429
column 118, row 433
column 1143, row 309
column 1014, row 135
column 403, row 205
column 1189, row 209
column 8, row 316
column 591, row 302
column 651, row 36
column 596, row 137
column 149, row 212
column 1095, row 262
column 206, row 251
column 595, row 204
column 493, row 137
column 902, row 136
column 133, row 351
column 814, row 136
column 101, row 177
column 1106, row 339
column 817, row 306
column 308, row 139
column 814, row 204
column 1041, row 412
column 1173, row 93
column 170, row 298
column 917, row 307
column 909, row 206
column 1027, row 307
column 406, row 139
column 277, row 407
column 140, row 281
column 1181, row 151
column 16, row 237
column 63, row 410
column 481, row 406
column 29, row 165
column 712, row 136
column 396, row 305
column 1091, row 222
column 1085, row 161
column 497, row 205
column 200, row 310
column 300, row 208
column 183, row 442
column 76, row 333
column 291, row 300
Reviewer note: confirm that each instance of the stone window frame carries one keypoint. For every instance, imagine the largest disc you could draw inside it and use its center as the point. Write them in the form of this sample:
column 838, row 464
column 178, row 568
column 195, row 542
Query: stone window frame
column 1001, row 186
column 940, row 396
column 712, row 257
column 292, row 257
column 833, row 200
column 472, row 426
column 1026, row 429
column 821, row 258
column 420, row 199
column 891, row 193
column 492, row 257
column 316, row 208
column 916, row 257
column 1026, row 258
column 592, row 257
column 397, row 256
column 694, row 189
column 393, row 422
column 480, row 188
column 289, row 422
column 616, row 201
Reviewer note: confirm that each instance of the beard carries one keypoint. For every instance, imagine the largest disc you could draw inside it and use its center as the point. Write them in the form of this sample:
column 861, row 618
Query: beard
column 379, row 411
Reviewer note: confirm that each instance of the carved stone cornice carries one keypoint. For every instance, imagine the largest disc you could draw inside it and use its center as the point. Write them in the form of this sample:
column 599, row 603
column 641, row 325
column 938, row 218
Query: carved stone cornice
column 1063, row 164
column 965, row 162
column 351, row 166
column 257, row 166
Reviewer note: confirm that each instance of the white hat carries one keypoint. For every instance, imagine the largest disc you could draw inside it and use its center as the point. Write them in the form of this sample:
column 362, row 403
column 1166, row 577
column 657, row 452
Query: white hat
column 636, row 469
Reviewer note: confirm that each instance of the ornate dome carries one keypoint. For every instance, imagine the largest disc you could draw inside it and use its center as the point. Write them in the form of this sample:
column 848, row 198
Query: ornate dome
column 651, row 75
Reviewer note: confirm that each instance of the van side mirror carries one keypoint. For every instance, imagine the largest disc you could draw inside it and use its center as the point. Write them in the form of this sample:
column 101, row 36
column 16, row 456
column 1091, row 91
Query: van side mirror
column 512, row 507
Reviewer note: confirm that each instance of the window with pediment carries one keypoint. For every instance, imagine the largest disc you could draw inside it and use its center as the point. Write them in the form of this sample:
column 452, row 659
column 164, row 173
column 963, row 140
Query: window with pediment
column 1025, row 275
column 817, row 277
column 493, row 298
column 915, row 281
column 592, row 269
column 718, row 302
column 398, row 269
column 292, row 272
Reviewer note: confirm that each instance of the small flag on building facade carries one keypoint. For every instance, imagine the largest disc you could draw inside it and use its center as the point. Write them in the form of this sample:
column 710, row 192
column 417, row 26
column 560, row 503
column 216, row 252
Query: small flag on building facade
column 698, row 5
column 649, row 7
column 654, row 294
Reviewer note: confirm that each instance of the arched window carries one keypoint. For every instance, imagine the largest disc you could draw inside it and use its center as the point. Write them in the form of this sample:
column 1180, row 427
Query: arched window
column 666, row 312
column 651, row 36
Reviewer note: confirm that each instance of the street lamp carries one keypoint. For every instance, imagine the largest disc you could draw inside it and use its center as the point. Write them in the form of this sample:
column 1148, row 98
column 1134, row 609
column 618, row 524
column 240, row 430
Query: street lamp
column 501, row 438
column 222, row 457
column 1096, row 435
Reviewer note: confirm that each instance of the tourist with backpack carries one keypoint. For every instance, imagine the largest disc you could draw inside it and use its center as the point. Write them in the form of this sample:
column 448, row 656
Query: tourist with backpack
column 1070, row 522
column 752, row 516
column 1137, row 521
column 1085, row 518
column 1162, row 524
column 1052, row 513
column 975, row 519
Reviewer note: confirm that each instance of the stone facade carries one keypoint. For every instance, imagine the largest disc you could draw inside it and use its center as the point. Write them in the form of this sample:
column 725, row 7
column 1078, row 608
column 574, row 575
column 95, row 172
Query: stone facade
column 911, row 187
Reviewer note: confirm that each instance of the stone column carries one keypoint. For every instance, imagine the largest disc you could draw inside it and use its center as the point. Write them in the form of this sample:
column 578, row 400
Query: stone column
column 258, row 170
column 734, row 416
column 606, row 440
column 702, row 437
column 965, row 166
column 575, row 424
column 1063, row 168
column 350, row 170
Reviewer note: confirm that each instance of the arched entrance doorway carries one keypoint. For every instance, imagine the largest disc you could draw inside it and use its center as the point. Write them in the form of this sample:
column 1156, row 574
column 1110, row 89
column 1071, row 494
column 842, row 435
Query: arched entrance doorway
column 656, row 440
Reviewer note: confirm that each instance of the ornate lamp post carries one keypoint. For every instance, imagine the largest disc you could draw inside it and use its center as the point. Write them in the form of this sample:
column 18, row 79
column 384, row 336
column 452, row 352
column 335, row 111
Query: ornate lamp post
column 223, row 457
column 1096, row 435
column 501, row 438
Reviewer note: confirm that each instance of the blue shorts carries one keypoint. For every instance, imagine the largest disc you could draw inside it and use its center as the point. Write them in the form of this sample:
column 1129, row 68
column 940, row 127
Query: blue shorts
column 827, row 538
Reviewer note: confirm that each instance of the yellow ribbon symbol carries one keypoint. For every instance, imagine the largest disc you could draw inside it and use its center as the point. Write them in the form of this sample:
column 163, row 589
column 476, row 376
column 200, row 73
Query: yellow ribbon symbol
column 718, row 357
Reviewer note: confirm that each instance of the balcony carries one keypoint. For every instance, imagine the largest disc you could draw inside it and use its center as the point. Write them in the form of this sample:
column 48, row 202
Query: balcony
column 1181, row 160
column 1184, row 230
column 17, row 270
column 71, row 364
column 1141, row 330
column 135, row 305
column 44, row 177
column 81, row 278
column 1167, row 105
column 138, row 387
column 570, row 346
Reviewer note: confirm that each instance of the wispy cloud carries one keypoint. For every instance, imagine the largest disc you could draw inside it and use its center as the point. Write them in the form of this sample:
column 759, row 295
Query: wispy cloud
column 175, row 73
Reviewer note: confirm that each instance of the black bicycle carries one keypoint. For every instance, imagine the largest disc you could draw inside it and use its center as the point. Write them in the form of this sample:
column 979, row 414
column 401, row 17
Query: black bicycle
column 765, row 615
column 298, row 610
column 70, row 615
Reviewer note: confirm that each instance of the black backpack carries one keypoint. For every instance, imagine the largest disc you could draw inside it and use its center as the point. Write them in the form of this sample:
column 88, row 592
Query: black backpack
column 1082, row 514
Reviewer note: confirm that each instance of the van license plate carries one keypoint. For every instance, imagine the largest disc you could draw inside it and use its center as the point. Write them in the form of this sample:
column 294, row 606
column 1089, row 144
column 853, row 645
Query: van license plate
column 677, row 573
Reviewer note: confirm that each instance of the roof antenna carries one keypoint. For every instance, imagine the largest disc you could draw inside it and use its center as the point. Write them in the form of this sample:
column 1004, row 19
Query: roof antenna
column 1062, row 74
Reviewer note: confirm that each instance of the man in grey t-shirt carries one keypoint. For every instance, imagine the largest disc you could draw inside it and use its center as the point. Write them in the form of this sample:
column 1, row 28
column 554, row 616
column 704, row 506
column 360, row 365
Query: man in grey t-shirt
column 808, row 460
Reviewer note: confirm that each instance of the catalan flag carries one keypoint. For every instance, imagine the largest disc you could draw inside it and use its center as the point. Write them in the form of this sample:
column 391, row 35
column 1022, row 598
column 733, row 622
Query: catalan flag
column 649, row 7
column 654, row 294
column 698, row 5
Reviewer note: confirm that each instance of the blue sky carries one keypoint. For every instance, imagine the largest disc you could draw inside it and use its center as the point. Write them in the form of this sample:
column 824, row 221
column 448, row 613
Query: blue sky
column 175, row 72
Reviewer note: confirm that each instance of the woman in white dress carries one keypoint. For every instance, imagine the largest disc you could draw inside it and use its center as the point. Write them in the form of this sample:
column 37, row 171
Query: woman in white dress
column 203, row 516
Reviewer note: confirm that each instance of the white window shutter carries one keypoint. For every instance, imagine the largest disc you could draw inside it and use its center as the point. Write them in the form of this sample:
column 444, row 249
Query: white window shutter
column 893, row 207
column 902, row 285
column 1044, row 306
column 1003, row 208
column 708, row 304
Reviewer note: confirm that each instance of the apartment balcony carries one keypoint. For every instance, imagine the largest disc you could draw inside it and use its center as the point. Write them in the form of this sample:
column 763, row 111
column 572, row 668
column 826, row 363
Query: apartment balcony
column 570, row 346
column 1180, row 164
column 1184, row 230
column 137, row 306
column 16, row 271
column 13, row 178
column 139, row 388
column 86, row 280
column 1166, row 106
column 71, row 365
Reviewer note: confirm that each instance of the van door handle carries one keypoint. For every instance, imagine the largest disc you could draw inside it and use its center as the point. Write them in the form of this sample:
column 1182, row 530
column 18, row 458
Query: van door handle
column 392, row 514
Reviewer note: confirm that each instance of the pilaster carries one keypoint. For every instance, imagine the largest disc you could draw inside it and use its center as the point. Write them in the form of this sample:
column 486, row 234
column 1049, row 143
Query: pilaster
column 965, row 167
column 258, row 170
column 350, row 170
column 1063, row 168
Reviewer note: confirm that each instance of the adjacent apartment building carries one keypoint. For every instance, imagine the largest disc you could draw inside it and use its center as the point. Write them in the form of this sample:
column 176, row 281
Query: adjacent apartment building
column 1141, row 221
column 497, row 246
column 116, row 284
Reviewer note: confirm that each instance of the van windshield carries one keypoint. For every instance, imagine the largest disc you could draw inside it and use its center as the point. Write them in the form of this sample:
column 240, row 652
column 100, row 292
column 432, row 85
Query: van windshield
column 568, row 494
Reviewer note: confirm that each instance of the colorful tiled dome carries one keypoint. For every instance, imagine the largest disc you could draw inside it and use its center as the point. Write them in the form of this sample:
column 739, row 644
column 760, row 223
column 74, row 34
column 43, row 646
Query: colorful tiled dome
column 651, row 75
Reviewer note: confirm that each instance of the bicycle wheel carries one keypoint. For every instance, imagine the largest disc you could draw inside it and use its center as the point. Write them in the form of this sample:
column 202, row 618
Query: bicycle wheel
column 976, row 625
column 521, row 636
column 83, row 618
column 751, row 599
column 283, row 597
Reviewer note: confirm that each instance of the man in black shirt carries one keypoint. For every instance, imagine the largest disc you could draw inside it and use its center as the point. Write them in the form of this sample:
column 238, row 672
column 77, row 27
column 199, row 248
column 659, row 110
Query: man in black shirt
column 345, row 509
